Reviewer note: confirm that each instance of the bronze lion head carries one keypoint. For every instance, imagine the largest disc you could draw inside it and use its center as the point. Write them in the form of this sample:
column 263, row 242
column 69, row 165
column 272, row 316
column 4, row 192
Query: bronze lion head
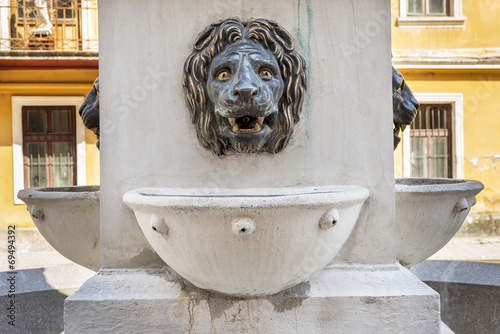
column 244, row 85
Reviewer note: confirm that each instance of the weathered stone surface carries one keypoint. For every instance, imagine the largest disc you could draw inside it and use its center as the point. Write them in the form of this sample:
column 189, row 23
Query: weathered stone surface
column 147, row 140
column 351, row 299
column 69, row 219
column 192, row 230
column 428, row 214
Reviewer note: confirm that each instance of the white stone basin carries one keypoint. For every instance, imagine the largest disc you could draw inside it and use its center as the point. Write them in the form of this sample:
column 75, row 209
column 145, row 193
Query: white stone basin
column 247, row 242
column 429, row 212
column 68, row 218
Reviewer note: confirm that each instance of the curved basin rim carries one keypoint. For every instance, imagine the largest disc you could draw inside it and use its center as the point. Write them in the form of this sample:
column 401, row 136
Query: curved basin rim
column 60, row 193
column 436, row 185
column 177, row 197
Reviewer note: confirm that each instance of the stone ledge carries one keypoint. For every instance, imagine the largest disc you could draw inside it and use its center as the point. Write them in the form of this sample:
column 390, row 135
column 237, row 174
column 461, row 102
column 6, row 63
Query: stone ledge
column 431, row 22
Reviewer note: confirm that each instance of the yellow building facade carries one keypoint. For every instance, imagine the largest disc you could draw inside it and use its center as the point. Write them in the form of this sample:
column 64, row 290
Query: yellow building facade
column 449, row 54
column 448, row 51
column 48, row 62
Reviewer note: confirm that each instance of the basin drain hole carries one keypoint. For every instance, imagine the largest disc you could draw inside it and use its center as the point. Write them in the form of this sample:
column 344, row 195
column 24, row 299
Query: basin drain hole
column 243, row 226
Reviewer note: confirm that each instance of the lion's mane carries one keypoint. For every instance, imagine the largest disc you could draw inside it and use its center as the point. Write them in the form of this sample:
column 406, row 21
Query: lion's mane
column 213, row 41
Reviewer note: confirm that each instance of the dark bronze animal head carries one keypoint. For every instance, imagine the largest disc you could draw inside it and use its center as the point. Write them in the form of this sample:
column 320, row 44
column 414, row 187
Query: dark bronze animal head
column 89, row 111
column 244, row 85
column 404, row 105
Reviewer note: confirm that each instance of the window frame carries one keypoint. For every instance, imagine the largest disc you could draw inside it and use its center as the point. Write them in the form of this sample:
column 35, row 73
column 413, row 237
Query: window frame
column 435, row 133
column 17, row 136
column 72, row 21
column 454, row 19
column 88, row 28
column 5, row 23
column 457, row 131
column 49, row 137
column 426, row 9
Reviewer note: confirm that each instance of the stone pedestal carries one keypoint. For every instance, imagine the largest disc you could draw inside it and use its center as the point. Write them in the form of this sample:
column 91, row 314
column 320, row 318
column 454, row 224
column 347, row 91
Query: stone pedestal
column 344, row 137
column 340, row 299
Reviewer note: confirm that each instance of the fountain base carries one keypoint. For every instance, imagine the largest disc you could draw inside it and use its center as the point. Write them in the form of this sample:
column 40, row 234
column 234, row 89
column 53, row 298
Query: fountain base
column 331, row 302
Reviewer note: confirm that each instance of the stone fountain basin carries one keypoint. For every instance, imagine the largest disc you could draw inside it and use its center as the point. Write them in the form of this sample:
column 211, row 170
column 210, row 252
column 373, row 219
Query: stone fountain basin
column 68, row 218
column 247, row 242
column 429, row 212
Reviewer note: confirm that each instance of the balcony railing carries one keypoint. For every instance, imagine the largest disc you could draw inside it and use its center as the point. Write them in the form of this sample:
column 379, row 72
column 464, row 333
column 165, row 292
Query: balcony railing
column 48, row 27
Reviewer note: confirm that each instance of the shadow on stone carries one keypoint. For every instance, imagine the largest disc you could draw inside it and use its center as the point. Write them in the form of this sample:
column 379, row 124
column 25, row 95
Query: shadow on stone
column 470, row 294
column 38, row 296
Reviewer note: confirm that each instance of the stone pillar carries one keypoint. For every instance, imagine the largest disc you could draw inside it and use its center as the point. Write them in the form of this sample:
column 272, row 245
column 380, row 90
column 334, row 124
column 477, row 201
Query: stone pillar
column 343, row 138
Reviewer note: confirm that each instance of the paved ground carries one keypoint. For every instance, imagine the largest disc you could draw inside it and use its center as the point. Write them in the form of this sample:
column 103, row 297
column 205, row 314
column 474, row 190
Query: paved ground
column 32, row 251
column 470, row 249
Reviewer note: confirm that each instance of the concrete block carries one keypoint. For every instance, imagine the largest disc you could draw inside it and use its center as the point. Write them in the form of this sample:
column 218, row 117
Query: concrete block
column 470, row 294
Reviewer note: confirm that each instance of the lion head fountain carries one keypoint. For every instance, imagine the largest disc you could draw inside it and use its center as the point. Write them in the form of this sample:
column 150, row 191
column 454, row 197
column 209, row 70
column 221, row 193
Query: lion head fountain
column 244, row 85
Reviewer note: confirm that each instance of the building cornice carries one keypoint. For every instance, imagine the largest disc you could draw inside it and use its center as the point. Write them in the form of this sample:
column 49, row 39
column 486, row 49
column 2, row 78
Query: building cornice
column 431, row 22
column 28, row 63
column 488, row 58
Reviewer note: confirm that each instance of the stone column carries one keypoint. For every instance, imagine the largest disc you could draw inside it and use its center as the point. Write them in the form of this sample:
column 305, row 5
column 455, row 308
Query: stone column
column 343, row 138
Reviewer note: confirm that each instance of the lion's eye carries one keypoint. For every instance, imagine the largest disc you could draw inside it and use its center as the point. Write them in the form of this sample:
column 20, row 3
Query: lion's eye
column 265, row 74
column 223, row 75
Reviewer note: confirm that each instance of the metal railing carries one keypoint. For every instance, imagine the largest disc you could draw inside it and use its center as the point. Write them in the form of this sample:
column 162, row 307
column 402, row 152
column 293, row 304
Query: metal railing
column 48, row 27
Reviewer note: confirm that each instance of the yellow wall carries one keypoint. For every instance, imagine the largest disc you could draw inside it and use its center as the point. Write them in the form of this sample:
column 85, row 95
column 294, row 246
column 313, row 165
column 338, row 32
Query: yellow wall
column 481, row 91
column 480, row 87
column 481, row 29
column 37, row 83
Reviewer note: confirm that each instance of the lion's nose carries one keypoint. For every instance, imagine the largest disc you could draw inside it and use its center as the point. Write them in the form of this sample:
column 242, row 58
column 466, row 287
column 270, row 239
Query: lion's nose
column 245, row 85
column 245, row 91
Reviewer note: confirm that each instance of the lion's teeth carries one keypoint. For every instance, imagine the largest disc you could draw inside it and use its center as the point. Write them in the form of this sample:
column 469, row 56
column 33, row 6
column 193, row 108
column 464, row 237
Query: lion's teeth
column 256, row 128
column 260, row 120
column 236, row 128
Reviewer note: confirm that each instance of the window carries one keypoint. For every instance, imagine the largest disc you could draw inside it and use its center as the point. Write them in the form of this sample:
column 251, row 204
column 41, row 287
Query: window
column 56, row 25
column 428, row 7
column 431, row 142
column 433, row 146
column 66, row 9
column 58, row 9
column 21, row 103
column 431, row 14
column 49, row 137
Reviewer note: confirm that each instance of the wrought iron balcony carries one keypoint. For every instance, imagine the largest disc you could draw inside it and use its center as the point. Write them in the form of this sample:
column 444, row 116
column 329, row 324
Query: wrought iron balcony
column 48, row 28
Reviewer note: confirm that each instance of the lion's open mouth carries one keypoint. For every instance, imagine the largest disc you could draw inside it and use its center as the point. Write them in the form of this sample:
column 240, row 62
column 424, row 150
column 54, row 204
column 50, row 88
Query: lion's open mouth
column 246, row 124
column 248, row 134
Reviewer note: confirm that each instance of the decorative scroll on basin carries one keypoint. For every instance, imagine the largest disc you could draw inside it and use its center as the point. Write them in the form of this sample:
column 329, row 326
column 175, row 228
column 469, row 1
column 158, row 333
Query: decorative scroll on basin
column 247, row 242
